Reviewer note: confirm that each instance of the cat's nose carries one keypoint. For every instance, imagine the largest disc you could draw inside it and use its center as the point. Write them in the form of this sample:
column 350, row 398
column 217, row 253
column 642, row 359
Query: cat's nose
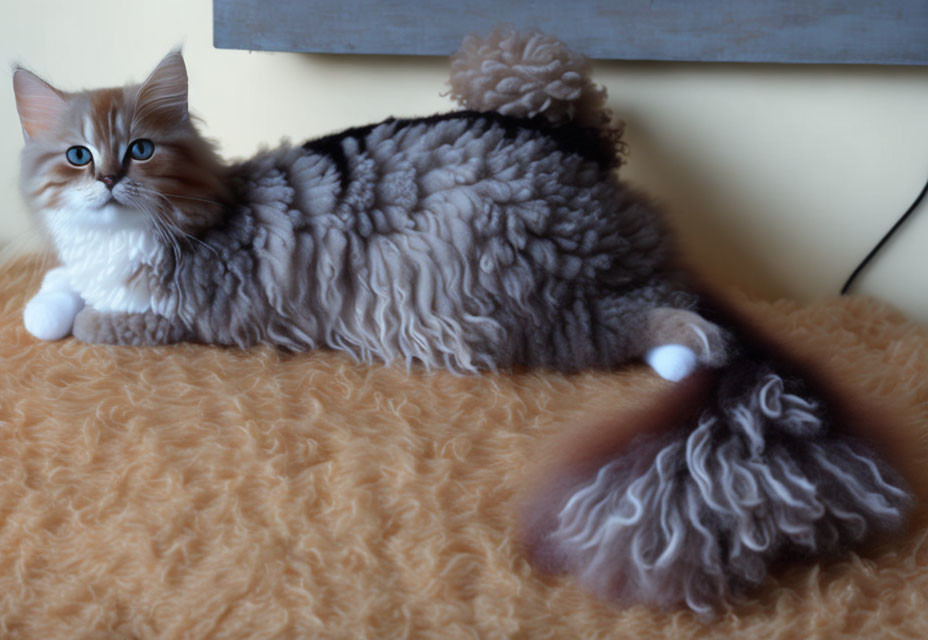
column 109, row 180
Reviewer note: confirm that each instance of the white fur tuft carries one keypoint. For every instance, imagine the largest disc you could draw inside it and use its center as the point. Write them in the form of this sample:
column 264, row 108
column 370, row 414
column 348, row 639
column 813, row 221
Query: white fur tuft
column 671, row 361
column 50, row 315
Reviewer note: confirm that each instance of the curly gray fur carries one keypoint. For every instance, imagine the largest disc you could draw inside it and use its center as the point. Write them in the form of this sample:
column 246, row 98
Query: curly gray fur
column 527, row 74
column 458, row 242
column 467, row 241
column 699, row 515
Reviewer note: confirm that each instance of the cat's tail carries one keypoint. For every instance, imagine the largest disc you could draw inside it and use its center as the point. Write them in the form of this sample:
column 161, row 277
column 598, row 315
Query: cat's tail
column 527, row 75
column 689, row 502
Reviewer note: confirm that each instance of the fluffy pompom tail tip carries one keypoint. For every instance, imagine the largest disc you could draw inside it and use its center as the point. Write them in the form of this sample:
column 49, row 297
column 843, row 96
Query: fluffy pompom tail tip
column 527, row 75
column 647, row 510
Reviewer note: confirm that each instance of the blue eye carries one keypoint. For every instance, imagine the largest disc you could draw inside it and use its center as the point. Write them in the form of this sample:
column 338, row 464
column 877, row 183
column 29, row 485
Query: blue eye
column 78, row 156
column 141, row 149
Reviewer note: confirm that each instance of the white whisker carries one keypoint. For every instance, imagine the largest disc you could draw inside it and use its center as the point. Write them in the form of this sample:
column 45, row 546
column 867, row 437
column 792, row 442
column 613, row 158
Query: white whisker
column 177, row 195
column 167, row 227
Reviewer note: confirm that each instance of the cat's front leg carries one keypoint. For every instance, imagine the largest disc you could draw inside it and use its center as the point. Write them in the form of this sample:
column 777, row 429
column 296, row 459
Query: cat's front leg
column 50, row 314
column 134, row 329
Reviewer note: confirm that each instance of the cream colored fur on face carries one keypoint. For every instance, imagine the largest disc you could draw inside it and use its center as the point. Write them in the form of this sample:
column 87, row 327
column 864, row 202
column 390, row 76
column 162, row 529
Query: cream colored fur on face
column 203, row 492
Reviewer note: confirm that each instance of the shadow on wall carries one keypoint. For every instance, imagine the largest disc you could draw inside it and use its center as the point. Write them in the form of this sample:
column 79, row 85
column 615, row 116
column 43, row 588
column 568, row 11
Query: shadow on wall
column 693, row 198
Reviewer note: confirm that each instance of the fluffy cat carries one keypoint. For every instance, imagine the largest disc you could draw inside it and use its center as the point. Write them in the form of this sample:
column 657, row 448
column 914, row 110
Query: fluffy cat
column 488, row 238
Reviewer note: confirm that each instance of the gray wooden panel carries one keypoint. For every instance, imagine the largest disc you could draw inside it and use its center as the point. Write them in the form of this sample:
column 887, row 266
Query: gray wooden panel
column 835, row 31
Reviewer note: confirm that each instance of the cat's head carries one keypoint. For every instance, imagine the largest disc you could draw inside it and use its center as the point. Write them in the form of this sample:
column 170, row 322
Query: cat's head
column 118, row 158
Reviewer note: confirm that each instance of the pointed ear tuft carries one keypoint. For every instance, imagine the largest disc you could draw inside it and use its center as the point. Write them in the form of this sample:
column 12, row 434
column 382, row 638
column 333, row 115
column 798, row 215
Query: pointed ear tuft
column 40, row 105
column 163, row 96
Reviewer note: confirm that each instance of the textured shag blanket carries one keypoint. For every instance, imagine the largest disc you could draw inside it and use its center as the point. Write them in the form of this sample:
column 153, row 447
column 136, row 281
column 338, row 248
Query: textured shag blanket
column 204, row 492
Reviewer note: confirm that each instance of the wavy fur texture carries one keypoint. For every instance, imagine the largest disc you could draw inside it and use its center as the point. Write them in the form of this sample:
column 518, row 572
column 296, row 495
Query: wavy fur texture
column 216, row 493
column 468, row 240
column 465, row 241
column 697, row 516
column 477, row 240
column 755, row 461
column 526, row 74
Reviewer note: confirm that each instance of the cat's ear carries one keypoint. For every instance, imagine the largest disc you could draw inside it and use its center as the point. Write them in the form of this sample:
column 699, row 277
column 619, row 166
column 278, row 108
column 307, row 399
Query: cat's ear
column 41, row 107
column 163, row 95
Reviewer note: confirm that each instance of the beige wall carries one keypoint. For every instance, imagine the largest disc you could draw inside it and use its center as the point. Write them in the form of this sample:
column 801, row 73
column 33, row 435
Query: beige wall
column 780, row 178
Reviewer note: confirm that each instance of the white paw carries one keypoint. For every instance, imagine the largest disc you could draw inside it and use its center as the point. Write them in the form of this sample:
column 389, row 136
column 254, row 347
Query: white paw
column 50, row 315
column 671, row 361
column 56, row 280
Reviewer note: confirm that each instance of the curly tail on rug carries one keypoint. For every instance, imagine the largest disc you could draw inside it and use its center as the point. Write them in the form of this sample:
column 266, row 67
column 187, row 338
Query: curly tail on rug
column 750, row 460
column 483, row 239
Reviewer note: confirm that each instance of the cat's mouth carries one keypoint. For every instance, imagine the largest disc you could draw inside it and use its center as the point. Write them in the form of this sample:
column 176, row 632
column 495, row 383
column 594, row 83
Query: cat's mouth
column 114, row 200
column 115, row 215
column 110, row 205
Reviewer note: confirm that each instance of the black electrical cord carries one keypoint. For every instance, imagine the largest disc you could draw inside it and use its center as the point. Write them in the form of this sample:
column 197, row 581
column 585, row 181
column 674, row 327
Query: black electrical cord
column 879, row 245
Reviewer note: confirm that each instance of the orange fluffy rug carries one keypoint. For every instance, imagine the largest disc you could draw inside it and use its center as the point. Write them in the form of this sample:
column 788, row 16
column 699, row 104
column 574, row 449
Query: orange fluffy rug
column 202, row 492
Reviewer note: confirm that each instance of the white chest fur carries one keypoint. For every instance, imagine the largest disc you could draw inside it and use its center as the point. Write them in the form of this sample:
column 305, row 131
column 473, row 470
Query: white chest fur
column 107, row 265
